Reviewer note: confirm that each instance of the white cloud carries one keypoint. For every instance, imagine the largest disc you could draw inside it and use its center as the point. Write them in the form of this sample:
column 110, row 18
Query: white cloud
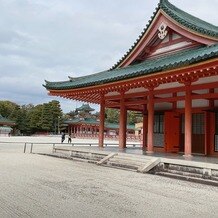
column 52, row 40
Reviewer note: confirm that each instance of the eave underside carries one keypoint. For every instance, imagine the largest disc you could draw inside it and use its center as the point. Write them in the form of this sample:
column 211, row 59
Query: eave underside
column 135, row 91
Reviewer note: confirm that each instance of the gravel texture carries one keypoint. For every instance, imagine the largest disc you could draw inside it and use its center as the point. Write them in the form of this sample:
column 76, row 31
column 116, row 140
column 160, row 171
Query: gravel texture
column 33, row 185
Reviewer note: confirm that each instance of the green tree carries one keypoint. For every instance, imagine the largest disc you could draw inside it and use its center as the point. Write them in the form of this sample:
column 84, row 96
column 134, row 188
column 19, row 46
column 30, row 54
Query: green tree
column 22, row 119
column 46, row 118
column 133, row 117
column 8, row 109
column 30, row 119
column 34, row 118
column 56, row 115
column 112, row 115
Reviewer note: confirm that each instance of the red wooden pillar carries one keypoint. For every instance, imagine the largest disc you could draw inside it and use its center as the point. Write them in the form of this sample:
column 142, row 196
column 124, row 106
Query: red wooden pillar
column 101, row 124
column 211, row 101
column 144, row 133
column 188, row 121
column 150, row 142
column 175, row 102
column 123, row 121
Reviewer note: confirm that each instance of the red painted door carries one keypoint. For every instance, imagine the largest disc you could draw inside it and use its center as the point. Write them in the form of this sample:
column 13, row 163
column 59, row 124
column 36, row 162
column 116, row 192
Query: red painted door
column 198, row 133
column 172, row 131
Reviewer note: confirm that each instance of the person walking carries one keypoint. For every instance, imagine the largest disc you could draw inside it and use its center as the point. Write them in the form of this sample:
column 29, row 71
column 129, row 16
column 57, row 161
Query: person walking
column 62, row 137
column 69, row 138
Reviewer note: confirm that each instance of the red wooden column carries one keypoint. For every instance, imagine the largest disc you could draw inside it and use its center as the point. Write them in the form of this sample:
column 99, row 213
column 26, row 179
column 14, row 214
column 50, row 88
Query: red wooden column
column 144, row 134
column 150, row 140
column 101, row 125
column 175, row 102
column 188, row 120
column 123, row 121
column 211, row 101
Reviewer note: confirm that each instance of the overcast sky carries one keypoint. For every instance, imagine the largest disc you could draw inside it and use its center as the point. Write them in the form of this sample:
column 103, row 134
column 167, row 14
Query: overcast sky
column 54, row 39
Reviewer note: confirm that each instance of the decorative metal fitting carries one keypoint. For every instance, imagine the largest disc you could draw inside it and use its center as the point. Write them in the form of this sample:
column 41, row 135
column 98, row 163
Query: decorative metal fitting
column 162, row 31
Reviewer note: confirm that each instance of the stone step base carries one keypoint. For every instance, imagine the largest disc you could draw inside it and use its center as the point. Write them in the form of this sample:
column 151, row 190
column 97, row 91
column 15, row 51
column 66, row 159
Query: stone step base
column 188, row 178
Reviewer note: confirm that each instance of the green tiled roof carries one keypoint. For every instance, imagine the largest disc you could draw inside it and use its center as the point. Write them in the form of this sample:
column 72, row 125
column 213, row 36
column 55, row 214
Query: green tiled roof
column 116, row 126
column 188, row 20
column 72, row 121
column 85, row 107
column 149, row 66
column 82, row 121
column 96, row 122
column 4, row 120
column 5, row 128
column 191, row 22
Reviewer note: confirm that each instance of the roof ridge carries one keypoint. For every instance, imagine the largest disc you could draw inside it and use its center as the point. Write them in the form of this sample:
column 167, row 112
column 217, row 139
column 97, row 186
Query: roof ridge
column 190, row 19
column 173, row 11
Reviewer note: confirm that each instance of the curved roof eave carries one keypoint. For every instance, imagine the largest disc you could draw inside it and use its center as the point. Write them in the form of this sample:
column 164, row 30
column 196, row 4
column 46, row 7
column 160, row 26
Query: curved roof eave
column 147, row 67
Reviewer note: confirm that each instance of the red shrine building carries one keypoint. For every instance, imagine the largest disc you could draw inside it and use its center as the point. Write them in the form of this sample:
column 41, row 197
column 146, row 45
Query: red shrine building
column 170, row 75
column 84, row 125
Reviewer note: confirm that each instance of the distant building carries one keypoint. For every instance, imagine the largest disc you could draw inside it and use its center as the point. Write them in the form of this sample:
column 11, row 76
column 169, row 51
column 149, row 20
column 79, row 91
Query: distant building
column 84, row 125
column 6, row 126
column 85, row 108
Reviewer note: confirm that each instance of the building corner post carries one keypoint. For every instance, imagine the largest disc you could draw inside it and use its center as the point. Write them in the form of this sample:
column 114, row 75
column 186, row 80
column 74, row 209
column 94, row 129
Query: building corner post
column 188, row 121
column 122, row 123
column 144, row 128
column 150, row 140
column 102, row 121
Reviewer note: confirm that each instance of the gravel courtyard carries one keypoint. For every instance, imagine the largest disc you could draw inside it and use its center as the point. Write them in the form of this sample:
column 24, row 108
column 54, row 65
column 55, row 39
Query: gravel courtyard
column 33, row 185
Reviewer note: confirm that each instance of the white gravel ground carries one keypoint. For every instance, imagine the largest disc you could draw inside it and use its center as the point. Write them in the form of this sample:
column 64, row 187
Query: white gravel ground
column 40, row 186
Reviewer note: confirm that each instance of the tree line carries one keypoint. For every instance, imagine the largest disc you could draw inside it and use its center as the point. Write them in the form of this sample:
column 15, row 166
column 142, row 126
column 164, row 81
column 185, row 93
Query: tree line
column 48, row 117
column 31, row 119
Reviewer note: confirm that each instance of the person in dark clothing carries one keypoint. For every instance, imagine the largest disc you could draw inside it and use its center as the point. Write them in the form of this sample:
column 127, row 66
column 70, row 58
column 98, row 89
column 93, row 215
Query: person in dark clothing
column 69, row 138
column 62, row 137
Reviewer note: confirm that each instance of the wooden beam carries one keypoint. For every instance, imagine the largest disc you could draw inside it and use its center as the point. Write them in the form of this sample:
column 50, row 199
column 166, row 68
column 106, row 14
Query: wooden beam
column 167, row 91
